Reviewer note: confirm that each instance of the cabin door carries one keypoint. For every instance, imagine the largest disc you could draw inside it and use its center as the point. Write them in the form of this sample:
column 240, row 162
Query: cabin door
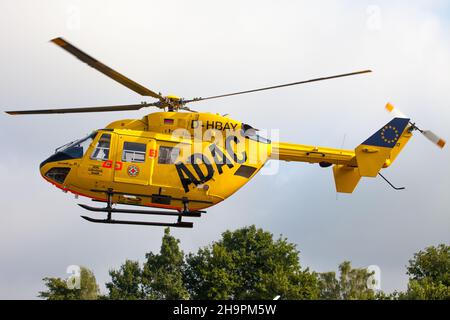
column 134, row 160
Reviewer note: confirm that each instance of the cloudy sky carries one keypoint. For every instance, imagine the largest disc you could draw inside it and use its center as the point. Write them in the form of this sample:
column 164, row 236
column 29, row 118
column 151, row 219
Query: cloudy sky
column 200, row 48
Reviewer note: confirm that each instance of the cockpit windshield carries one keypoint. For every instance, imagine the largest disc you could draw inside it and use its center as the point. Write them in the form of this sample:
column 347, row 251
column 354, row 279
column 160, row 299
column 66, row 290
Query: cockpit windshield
column 77, row 149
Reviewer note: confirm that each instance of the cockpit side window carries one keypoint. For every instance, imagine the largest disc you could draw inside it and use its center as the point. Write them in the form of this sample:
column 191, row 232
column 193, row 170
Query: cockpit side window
column 101, row 151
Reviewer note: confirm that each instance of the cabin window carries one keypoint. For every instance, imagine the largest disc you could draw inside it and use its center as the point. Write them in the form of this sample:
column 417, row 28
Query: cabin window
column 168, row 155
column 101, row 151
column 133, row 152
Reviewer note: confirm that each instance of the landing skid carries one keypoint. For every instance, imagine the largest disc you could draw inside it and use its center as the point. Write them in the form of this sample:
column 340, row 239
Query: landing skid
column 181, row 224
column 110, row 210
column 194, row 214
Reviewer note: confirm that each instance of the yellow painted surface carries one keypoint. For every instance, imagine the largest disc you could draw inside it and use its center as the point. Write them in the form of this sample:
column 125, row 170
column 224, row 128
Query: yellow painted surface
column 345, row 178
column 167, row 129
column 311, row 154
column 371, row 159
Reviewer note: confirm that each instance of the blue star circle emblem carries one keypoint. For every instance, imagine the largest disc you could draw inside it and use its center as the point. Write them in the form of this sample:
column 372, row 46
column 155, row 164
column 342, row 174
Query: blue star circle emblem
column 389, row 134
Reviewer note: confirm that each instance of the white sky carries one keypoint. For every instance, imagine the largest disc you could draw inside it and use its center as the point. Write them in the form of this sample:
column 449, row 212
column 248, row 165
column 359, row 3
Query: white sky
column 201, row 48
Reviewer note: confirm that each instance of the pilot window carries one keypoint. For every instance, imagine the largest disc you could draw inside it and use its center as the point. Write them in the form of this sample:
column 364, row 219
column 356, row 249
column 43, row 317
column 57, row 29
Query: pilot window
column 101, row 151
column 168, row 155
column 133, row 152
column 78, row 148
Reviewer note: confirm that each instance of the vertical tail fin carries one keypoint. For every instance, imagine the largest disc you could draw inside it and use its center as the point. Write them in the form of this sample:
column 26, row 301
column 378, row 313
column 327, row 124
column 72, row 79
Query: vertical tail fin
column 382, row 147
column 377, row 152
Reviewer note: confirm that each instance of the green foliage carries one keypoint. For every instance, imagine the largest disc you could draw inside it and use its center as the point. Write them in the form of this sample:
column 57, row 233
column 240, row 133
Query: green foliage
column 126, row 283
column 329, row 286
column 351, row 285
column 57, row 288
column 429, row 275
column 248, row 264
column 160, row 278
column 425, row 289
column 163, row 273
column 433, row 263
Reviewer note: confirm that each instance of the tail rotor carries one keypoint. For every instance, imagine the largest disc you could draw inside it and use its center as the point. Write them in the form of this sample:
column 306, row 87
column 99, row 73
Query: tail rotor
column 430, row 135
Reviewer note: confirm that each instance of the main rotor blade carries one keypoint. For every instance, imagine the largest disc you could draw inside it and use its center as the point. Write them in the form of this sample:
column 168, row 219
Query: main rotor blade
column 278, row 86
column 136, row 87
column 85, row 109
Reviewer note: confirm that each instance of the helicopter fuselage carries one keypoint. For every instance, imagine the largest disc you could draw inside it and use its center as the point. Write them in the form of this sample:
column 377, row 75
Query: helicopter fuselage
column 161, row 160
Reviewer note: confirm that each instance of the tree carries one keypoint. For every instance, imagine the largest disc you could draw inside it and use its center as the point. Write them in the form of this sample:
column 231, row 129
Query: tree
column 429, row 275
column 162, row 276
column 432, row 263
column 329, row 286
column 57, row 288
column 248, row 264
column 351, row 285
column 126, row 283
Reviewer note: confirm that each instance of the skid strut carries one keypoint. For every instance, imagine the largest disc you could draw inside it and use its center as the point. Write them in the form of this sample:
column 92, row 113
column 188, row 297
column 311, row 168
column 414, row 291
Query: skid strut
column 110, row 210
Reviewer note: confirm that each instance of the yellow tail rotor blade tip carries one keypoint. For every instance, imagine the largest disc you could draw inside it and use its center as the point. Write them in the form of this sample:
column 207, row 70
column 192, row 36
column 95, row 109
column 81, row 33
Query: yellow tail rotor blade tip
column 389, row 107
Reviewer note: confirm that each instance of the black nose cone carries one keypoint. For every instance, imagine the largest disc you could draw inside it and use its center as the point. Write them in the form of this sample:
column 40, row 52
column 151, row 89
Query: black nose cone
column 58, row 156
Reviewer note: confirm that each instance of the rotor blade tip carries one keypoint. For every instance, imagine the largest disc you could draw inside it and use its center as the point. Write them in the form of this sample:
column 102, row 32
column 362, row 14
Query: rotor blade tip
column 389, row 107
column 58, row 41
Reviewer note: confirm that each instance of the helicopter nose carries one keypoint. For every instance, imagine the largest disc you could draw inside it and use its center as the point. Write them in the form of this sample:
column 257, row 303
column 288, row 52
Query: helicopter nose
column 55, row 174
column 50, row 170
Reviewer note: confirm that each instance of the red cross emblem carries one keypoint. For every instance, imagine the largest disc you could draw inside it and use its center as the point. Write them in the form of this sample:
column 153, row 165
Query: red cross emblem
column 133, row 171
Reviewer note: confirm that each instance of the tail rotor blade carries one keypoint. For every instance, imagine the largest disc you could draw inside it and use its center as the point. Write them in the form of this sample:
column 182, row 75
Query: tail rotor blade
column 434, row 138
column 390, row 108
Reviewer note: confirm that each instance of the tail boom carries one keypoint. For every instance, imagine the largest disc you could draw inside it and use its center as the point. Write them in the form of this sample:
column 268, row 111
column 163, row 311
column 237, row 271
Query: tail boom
column 374, row 154
column 311, row 154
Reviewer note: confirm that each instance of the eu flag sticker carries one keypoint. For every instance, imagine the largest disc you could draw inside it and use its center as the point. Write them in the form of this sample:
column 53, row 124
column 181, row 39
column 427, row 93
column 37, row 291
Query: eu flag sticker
column 389, row 134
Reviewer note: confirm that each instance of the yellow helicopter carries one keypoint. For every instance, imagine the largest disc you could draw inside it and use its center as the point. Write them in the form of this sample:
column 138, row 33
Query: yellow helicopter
column 184, row 162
